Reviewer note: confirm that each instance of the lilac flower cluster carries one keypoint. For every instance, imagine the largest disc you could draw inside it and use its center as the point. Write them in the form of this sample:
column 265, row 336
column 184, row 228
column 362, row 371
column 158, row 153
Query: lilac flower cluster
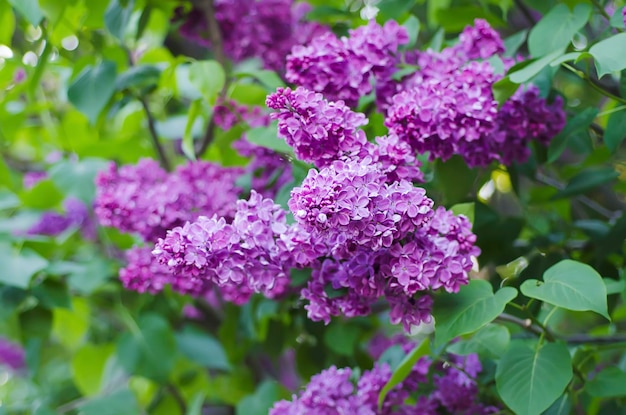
column 254, row 251
column 146, row 200
column 12, row 355
column 53, row 223
column 266, row 29
column 268, row 170
column 350, row 204
column 321, row 131
column 448, row 107
column 318, row 130
column 342, row 69
column 333, row 391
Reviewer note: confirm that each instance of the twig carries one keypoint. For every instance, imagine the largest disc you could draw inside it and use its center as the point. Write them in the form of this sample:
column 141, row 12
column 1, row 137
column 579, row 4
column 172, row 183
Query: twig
column 527, row 14
column 154, row 135
column 593, row 83
column 591, row 204
column 177, row 397
column 600, row 340
column 526, row 324
column 217, row 45
column 601, row 10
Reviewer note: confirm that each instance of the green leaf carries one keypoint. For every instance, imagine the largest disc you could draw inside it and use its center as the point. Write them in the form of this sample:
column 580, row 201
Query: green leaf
column 194, row 111
column 195, row 406
column 88, row 366
column 208, row 77
column 52, row 294
column 615, row 131
column 269, row 79
column 504, row 89
column 138, row 77
column 574, row 125
column 92, row 89
column 262, row 400
column 118, row 16
column 203, row 349
column 610, row 54
column 571, row 285
column 587, row 180
column 29, row 9
column 529, row 379
column 342, row 338
column 514, row 42
column 18, row 268
column 403, row 369
column 150, row 350
column 492, row 341
column 557, row 28
column 412, row 26
column 43, row 195
column 71, row 326
column 268, row 137
column 76, row 178
column 121, row 402
column 474, row 306
column 609, row 383
column 561, row 406
column 532, row 68
column 7, row 24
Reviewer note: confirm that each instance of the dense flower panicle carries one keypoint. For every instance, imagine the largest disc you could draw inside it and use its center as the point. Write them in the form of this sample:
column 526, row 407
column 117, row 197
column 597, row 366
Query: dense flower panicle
column 395, row 158
column 253, row 251
column 227, row 114
column 525, row 117
column 143, row 273
column 447, row 106
column 76, row 215
column 480, row 41
column 319, row 131
column 334, row 391
column 266, row 29
column 342, row 69
column 146, row 200
column 12, row 355
column 444, row 116
column 351, row 203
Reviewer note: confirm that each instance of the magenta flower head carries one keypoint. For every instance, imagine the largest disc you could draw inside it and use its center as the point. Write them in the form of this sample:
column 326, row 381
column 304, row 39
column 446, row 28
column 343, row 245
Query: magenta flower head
column 12, row 355
column 319, row 131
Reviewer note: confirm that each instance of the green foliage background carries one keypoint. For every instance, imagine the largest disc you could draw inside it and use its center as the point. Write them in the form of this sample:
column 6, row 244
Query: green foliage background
column 105, row 79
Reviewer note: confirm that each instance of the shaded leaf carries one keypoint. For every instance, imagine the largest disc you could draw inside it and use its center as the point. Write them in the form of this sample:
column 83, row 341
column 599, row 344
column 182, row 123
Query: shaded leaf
column 29, row 9
column 91, row 90
column 202, row 348
column 610, row 54
column 609, row 383
column 587, row 180
column 121, row 402
column 403, row 369
column 19, row 267
column 615, row 131
column 580, row 122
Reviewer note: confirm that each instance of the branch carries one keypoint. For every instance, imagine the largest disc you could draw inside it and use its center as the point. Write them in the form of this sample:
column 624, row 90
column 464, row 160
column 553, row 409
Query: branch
column 586, row 339
column 526, row 12
column 593, row 83
column 153, row 134
column 217, row 45
column 526, row 324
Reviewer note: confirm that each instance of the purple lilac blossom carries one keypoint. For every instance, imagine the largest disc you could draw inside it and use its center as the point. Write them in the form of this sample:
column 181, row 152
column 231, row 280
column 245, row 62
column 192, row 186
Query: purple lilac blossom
column 349, row 203
column 624, row 15
column 319, row 131
column 12, row 355
column 334, row 392
column 31, row 178
column 254, row 251
column 342, row 69
column 146, row 200
column 266, row 29
column 447, row 107
column 53, row 223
